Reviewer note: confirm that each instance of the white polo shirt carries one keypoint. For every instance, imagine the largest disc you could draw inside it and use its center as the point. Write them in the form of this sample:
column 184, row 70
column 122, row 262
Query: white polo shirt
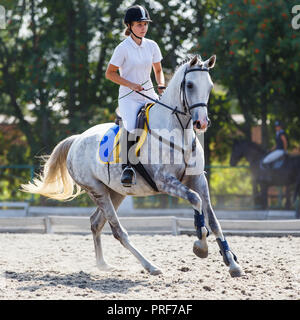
column 135, row 64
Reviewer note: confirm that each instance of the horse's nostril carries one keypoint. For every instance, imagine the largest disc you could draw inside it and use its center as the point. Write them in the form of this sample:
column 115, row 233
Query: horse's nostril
column 197, row 124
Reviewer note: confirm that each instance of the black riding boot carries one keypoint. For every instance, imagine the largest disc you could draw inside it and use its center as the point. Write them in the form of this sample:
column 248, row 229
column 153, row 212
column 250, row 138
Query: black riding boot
column 128, row 172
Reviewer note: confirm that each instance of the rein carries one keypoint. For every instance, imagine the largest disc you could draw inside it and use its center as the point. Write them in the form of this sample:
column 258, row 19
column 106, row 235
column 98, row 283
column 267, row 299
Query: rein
column 187, row 108
column 162, row 104
column 174, row 111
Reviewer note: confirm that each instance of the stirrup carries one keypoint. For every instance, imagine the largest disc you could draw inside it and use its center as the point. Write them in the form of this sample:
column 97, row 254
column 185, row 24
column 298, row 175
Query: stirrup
column 125, row 184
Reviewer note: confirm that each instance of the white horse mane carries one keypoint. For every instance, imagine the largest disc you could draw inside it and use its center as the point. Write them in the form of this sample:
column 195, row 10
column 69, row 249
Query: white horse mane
column 188, row 60
column 180, row 68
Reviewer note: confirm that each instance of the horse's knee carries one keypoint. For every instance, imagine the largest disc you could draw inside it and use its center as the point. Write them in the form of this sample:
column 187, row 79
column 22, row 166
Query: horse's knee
column 195, row 200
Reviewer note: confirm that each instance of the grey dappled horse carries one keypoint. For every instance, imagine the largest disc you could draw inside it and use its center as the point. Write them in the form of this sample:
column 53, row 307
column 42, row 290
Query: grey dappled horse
column 182, row 110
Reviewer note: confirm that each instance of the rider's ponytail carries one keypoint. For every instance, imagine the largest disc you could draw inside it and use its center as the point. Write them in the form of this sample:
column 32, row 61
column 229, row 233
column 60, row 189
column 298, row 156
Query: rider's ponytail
column 127, row 31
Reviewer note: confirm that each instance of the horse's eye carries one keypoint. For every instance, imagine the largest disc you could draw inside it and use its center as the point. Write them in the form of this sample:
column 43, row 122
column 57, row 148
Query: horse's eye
column 190, row 85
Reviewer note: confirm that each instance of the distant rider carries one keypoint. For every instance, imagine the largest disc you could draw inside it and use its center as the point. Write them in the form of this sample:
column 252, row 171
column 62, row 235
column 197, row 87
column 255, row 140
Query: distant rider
column 281, row 145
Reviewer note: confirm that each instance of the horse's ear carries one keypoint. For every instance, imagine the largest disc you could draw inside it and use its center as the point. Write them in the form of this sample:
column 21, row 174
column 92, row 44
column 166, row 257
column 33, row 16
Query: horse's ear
column 194, row 61
column 210, row 63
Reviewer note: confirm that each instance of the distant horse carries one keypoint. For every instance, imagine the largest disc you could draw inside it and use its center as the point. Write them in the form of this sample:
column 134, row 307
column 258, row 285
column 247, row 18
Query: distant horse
column 288, row 174
column 182, row 109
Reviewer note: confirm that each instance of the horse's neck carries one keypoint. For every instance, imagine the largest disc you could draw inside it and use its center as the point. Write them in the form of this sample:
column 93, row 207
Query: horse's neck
column 253, row 155
column 160, row 116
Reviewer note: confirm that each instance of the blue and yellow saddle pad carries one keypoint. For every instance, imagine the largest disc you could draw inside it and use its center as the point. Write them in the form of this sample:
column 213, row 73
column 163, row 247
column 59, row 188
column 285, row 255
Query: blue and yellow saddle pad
column 109, row 148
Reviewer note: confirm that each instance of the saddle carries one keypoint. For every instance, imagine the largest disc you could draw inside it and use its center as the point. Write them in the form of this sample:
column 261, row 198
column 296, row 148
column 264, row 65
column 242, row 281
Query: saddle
column 142, row 117
column 109, row 150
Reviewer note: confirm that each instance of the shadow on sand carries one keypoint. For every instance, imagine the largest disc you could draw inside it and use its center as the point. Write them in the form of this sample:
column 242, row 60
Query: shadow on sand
column 80, row 280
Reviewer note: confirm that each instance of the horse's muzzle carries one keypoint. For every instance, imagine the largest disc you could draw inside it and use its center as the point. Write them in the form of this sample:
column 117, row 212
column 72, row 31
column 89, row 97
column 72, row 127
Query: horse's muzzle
column 202, row 125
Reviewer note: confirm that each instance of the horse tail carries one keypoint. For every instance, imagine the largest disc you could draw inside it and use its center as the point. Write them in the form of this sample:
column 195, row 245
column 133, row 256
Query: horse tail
column 55, row 181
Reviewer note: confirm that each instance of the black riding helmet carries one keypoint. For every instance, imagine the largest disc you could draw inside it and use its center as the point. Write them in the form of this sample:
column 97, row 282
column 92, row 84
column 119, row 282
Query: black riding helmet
column 136, row 13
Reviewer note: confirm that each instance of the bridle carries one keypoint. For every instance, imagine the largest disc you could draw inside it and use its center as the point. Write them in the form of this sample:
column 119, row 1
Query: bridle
column 185, row 104
column 186, row 107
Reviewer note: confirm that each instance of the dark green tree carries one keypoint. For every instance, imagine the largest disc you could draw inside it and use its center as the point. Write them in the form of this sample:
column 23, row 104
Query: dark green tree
column 258, row 61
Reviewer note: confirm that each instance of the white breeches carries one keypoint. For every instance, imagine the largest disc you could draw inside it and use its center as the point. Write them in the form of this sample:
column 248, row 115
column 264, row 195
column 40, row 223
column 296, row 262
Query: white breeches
column 274, row 155
column 129, row 108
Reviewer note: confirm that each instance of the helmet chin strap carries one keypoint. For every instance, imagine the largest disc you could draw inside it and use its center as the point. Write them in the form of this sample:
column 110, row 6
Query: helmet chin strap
column 135, row 34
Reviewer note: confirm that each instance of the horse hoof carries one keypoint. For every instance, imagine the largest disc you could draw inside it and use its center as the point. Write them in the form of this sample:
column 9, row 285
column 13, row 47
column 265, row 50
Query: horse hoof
column 200, row 249
column 106, row 267
column 236, row 272
column 155, row 272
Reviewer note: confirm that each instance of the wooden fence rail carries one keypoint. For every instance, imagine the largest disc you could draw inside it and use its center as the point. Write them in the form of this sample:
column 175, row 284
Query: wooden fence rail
column 14, row 209
column 146, row 225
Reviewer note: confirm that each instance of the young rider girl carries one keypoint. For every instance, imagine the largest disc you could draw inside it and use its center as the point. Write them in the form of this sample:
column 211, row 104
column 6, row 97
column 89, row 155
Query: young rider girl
column 134, row 58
